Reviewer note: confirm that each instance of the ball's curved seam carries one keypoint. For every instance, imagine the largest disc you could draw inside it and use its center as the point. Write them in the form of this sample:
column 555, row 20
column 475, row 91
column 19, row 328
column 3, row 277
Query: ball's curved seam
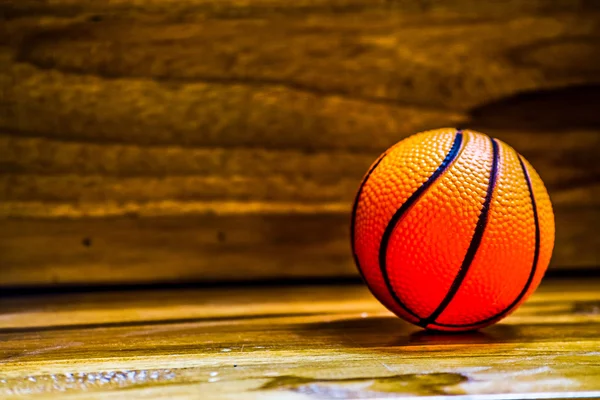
column 534, row 265
column 450, row 157
column 473, row 246
column 353, row 217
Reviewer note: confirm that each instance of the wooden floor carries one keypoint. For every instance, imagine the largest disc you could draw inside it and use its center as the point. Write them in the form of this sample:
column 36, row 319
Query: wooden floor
column 305, row 342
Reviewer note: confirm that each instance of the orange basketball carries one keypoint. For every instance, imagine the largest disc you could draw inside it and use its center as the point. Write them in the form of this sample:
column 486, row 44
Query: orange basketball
column 452, row 230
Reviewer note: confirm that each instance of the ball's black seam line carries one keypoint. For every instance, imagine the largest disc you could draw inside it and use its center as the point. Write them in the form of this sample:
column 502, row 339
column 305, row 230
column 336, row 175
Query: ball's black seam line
column 450, row 157
column 534, row 265
column 353, row 218
column 473, row 246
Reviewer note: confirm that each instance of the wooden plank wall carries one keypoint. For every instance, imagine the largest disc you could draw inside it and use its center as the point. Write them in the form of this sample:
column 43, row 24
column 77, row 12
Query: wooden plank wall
column 153, row 140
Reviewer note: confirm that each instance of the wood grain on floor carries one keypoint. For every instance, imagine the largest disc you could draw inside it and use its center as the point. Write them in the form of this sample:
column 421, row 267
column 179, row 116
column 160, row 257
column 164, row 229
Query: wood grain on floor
column 305, row 342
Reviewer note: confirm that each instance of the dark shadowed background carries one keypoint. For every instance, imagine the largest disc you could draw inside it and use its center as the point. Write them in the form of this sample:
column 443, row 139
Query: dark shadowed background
column 186, row 141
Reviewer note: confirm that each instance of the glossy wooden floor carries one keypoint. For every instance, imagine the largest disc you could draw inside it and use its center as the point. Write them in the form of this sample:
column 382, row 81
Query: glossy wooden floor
column 308, row 342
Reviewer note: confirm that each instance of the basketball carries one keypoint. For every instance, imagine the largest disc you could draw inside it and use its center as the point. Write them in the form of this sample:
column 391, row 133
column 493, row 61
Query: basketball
column 452, row 230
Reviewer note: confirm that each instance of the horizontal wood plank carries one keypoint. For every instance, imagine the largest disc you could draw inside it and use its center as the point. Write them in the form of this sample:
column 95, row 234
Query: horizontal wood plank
column 242, row 247
column 291, row 343
column 42, row 177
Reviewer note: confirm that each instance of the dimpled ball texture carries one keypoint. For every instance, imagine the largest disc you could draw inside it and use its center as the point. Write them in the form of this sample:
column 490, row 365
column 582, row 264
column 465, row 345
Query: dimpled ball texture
column 452, row 230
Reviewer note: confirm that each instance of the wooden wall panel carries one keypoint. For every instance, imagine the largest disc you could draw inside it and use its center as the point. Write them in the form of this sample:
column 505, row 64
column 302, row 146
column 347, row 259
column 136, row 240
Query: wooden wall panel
column 212, row 248
column 154, row 128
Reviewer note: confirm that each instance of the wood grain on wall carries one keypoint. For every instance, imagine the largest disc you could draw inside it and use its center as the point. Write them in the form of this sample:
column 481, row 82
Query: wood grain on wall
column 202, row 140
